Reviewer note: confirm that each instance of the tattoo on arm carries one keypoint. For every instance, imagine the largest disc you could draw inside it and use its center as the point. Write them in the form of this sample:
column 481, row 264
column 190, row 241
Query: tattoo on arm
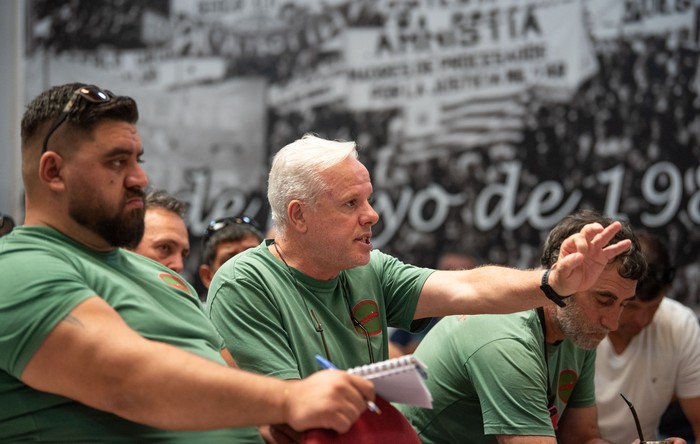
column 73, row 320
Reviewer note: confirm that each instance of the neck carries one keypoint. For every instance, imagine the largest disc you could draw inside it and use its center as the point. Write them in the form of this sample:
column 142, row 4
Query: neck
column 618, row 342
column 67, row 227
column 295, row 257
column 553, row 332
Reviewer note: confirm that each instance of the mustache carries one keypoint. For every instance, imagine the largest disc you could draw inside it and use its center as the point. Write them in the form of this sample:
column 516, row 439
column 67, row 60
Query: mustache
column 135, row 192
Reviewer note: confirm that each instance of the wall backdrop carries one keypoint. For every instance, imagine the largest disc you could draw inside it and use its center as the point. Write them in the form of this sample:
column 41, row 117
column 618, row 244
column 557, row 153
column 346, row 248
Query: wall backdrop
column 482, row 122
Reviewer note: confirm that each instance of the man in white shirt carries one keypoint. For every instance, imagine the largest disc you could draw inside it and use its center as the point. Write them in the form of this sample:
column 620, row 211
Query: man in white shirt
column 653, row 356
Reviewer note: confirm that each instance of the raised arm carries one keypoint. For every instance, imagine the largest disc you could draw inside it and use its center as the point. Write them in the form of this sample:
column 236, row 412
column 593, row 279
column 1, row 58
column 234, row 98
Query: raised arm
column 494, row 289
column 93, row 357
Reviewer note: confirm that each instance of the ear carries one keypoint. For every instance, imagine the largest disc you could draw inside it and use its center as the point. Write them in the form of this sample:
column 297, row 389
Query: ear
column 51, row 170
column 205, row 274
column 296, row 215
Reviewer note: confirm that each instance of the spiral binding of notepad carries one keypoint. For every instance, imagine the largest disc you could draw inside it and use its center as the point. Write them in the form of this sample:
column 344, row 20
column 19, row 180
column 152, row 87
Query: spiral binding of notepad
column 390, row 367
column 399, row 379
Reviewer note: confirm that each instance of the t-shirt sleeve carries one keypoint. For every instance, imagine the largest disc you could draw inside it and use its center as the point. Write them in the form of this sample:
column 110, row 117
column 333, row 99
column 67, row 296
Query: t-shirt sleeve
column 510, row 381
column 249, row 322
column 402, row 285
column 46, row 288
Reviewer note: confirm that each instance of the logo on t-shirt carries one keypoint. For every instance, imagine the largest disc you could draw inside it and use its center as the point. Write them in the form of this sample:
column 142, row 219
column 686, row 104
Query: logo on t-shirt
column 173, row 281
column 367, row 313
column 567, row 382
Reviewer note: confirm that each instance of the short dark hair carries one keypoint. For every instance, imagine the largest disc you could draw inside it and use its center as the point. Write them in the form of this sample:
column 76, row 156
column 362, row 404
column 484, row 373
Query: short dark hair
column 7, row 224
column 630, row 264
column 229, row 233
column 165, row 200
column 660, row 269
column 82, row 117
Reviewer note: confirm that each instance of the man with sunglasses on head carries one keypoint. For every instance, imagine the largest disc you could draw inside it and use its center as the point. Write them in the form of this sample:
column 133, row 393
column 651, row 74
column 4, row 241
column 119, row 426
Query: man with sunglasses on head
column 318, row 288
column 652, row 357
column 225, row 238
column 98, row 343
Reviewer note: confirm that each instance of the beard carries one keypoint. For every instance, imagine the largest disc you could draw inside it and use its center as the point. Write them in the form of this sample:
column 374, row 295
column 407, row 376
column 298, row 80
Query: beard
column 572, row 321
column 118, row 228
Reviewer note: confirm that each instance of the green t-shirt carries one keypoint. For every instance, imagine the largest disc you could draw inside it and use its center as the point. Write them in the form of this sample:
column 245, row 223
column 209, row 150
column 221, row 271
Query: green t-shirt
column 264, row 311
column 44, row 275
column 487, row 375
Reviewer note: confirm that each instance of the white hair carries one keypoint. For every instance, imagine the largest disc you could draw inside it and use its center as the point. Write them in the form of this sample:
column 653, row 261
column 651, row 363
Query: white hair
column 296, row 173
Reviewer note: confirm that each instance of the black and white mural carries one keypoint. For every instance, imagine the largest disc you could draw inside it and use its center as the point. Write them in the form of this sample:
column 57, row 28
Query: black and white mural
column 482, row 122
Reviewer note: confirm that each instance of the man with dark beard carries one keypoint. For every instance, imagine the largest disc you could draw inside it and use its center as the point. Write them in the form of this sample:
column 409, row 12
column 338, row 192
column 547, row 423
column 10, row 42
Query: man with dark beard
column 527, row 377
column 101, row 344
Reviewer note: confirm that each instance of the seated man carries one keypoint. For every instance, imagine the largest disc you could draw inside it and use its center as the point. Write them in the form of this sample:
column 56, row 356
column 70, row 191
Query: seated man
column 224, row 239
column 318, row 288
column 652, row 356
column 165, row 238
column 527, row 377
column 100, row 344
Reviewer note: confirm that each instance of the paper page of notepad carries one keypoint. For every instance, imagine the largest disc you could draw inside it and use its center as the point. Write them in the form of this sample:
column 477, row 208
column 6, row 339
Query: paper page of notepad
column 403, row 385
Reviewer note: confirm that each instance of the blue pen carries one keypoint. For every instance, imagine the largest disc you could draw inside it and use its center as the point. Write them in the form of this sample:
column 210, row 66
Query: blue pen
column 325, row 363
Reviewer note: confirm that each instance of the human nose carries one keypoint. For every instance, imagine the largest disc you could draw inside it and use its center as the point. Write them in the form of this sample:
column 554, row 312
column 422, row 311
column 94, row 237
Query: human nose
column 370, row 217
column 176, row 263
column 611, row 319
column 137, row 178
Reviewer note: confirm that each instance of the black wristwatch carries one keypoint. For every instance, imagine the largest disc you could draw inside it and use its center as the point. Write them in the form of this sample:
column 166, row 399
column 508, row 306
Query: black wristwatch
column 549, row 291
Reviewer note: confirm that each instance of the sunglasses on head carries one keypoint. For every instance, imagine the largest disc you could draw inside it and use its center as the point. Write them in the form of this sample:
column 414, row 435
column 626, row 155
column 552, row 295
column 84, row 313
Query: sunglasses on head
column 91, row 93
column 219, row 224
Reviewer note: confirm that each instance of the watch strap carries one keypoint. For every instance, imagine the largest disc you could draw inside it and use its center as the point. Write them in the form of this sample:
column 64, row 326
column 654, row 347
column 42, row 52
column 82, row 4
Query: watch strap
column 549, row 291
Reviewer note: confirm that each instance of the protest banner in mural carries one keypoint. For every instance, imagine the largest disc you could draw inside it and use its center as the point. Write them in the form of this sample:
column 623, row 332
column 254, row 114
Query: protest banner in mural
column 482, row 122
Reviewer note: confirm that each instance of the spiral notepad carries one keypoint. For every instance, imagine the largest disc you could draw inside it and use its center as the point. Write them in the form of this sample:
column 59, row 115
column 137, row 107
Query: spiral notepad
column 399, row 379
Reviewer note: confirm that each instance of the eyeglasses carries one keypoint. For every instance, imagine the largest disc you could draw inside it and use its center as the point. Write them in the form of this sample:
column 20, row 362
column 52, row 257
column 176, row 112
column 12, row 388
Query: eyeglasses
column 91, row 93
column 224, row 222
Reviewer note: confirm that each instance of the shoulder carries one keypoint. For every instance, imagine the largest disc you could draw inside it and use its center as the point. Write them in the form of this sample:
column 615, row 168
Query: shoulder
column 30, row 240
column 485, row 330
column 675, row 316
column 253, row 272
column 674, row 307
column 35, row 254
column 249, row 262
column 383, row 263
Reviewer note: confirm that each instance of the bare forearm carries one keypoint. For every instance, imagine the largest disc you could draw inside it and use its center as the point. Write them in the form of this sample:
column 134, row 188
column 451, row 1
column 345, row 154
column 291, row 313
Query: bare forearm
column 97, row 360
column 177, row 390
column 489, row 289
column 204, row 395
column 691, row 409
column 184, row 392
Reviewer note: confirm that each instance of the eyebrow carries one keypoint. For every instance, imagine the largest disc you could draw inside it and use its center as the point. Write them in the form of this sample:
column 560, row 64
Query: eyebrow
column 118, row 151
column 614, row 297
